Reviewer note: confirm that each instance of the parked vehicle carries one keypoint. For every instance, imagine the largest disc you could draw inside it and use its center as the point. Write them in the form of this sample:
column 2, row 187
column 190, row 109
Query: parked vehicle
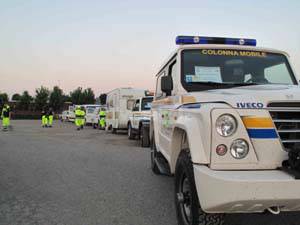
column 119, row 105
column 139, row 120
column 71, row 113
column 90, row 114
column 225, row 122
column 64, row 116
column 95, row 116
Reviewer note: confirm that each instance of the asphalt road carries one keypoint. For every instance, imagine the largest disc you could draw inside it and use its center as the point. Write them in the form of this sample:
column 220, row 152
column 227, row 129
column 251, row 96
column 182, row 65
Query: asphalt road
column 62, row 176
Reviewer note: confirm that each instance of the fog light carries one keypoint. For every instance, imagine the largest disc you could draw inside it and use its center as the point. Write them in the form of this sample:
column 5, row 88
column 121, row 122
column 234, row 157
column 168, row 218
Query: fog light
column 239, row 149
column 221, row 150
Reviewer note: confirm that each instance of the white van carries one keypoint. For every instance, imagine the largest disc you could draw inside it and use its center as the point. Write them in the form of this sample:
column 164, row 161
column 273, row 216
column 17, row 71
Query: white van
column 120, row 102
column 90, row 112
column 71, row 113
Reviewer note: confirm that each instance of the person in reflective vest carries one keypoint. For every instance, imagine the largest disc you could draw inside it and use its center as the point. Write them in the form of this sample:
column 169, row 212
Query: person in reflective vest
column 44, row 118
column 5, row 115
column 82, row 121
column 78, row 115
column 102, row 116
column 50, row 117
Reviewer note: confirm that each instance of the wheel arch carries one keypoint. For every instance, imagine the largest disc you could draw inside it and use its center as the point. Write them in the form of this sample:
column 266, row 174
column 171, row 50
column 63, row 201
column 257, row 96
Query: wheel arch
column 187, row 135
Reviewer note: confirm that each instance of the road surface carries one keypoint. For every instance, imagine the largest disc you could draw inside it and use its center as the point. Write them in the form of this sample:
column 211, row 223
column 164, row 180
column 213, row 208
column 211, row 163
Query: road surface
column 66, row 177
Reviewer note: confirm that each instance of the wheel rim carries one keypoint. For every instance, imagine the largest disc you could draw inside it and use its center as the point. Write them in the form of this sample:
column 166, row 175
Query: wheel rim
column 184, row 198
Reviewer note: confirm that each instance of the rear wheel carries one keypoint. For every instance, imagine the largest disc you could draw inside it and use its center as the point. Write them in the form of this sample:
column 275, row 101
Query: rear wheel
column 154, row 154
column 144, row 137
column 188, row 208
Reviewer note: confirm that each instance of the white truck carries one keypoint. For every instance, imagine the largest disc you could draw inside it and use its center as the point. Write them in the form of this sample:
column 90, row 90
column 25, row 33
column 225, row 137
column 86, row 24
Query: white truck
column 139, row 120
column 119, row 105
column 226, row 123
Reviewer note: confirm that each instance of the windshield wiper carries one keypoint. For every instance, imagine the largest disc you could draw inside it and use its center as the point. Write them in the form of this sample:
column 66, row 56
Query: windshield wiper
column 245, row 84
column 211, row 83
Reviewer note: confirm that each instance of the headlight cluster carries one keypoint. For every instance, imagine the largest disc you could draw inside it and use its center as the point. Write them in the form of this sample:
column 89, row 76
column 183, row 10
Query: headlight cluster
column 226, row 125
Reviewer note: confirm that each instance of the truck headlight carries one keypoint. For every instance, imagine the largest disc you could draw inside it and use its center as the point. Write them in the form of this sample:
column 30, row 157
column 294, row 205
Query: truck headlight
column 239, row 149
column 226, row 125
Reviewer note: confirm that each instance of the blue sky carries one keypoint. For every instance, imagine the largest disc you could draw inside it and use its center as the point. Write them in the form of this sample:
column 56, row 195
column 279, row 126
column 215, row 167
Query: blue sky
column 108, row 44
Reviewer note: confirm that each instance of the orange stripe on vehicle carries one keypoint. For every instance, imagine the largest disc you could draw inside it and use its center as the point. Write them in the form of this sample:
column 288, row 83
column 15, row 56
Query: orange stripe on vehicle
column 188, row 99
column 167, row 101
column 258, row 122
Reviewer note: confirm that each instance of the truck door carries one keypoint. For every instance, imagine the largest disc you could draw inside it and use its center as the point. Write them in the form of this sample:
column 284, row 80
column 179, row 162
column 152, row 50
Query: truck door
column 135, row 114
column 164, row 112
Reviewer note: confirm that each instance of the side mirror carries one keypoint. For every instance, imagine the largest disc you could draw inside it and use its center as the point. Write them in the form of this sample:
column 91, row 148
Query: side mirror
column 167, row 84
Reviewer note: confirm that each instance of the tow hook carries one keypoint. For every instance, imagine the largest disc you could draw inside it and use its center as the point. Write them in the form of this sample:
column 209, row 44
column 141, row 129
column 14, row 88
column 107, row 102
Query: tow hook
column 275, row 210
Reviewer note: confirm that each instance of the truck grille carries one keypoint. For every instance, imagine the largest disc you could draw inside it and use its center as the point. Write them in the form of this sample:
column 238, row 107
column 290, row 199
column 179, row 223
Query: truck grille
column 286, row 117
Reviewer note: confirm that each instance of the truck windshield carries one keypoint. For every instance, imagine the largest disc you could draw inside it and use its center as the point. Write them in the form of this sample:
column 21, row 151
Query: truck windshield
column 205, row 69
column 146, row 104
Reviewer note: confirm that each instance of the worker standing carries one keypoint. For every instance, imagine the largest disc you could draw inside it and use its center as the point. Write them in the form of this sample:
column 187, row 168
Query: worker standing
column 78, row 117
column 5, row 115
column 102, row 117
column 44, row 119
column 50, row 117
column 82, row 122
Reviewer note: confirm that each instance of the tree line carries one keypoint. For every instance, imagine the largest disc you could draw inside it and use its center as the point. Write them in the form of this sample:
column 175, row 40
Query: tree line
column 54, row 98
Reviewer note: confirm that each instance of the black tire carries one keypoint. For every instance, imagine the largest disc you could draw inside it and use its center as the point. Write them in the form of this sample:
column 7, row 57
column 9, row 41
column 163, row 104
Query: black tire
column 114, row 130
column 187, row 204
column 154, row 154
column 131, row 136
column 94, row 126
column 144, row 137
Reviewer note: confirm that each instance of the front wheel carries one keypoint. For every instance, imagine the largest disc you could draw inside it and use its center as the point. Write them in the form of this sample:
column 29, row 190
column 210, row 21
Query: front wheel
column 130, row 133
column 188, row 208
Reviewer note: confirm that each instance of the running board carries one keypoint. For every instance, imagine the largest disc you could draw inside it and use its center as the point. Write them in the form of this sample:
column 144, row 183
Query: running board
column 163, row 166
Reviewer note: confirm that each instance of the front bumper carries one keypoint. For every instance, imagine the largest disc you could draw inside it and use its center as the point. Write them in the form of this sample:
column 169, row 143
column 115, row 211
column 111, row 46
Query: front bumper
column 246, row 191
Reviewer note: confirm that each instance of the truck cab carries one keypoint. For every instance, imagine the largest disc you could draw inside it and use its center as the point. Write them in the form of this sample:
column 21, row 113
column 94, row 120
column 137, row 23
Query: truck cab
column 226, row 123
column 139, row 120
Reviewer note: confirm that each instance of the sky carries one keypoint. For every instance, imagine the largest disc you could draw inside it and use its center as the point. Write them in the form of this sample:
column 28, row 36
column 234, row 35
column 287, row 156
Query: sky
column 110, row 44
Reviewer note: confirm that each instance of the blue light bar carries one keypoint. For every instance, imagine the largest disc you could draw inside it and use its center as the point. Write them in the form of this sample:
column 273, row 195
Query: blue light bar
column 186, row 40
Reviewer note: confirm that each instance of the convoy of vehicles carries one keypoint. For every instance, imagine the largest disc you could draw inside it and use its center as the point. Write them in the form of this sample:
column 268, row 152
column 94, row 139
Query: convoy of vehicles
column 139, row 120
column 119, row 105
column 225, row 122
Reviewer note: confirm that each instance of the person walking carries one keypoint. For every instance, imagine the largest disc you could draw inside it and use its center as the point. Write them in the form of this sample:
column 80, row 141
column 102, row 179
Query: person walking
column 44, row 117
column 5, row 115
